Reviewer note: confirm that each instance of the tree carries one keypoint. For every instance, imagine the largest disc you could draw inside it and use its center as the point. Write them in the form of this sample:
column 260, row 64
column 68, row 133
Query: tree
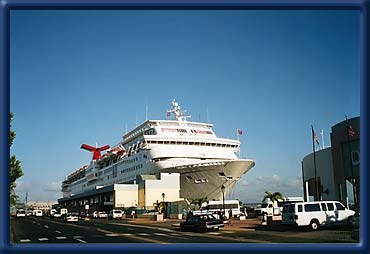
column 274, row 197
column 159, row 206
column 14, row 165
column 199, row 201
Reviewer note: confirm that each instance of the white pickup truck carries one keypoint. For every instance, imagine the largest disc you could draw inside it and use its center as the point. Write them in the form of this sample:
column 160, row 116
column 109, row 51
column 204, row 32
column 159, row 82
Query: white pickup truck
column 275, row 208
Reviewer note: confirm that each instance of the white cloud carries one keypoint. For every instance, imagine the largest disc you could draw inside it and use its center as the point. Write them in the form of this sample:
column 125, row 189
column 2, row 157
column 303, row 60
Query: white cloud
column 38, row 191
column 255, row 188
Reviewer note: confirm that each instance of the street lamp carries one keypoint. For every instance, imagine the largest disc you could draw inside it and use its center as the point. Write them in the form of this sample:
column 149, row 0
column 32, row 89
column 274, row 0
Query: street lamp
column 163, row 196
column 223, row 200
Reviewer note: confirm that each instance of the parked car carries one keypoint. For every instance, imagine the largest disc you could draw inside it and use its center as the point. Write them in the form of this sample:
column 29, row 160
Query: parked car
column 57, row 215
column 115, row 214
column 71, row 217
column 316, row 214
column 99, row 214
column 21, row 213
column 204, row 222
column 102, row 215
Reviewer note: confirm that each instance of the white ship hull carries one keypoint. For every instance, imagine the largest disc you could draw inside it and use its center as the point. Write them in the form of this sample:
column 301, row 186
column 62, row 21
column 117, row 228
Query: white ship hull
column 204, row 161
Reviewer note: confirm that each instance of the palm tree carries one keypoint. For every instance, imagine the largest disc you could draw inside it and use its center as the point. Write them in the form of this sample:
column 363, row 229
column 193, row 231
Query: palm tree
column 274, row 197
column 198, row 202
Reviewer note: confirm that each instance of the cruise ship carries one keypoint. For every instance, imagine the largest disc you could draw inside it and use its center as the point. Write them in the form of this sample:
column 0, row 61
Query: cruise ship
column 205, row 162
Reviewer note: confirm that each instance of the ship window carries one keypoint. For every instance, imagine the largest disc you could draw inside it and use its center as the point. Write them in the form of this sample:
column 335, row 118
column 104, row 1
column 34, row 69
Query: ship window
column 166, row 142
column 202, row 144
column 160, row 142
column 221, row 174
column 196, row 143
column 208, row 144
column 191, row 143
column 189, row 177
column 173, row 142
column 223, row 145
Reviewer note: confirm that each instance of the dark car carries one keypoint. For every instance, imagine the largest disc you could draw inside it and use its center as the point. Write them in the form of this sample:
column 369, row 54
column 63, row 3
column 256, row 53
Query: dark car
column 204, row 222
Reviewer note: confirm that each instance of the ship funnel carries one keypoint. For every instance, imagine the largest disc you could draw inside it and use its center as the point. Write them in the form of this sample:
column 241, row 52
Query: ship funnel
column 95, row 150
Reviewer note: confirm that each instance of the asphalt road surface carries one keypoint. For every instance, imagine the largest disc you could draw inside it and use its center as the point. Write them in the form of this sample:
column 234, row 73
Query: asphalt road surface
column 48, row 230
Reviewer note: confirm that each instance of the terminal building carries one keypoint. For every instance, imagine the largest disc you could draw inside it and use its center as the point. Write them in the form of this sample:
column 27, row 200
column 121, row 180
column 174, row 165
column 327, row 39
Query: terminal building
column 143, row 194
column 333, row 173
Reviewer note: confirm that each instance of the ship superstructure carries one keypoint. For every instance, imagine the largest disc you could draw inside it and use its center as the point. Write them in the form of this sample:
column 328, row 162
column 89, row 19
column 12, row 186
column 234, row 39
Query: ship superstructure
column 204, row 161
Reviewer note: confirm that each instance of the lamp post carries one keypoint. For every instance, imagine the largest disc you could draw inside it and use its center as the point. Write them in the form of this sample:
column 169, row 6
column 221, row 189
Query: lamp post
column 164, row 204
column 223, row 200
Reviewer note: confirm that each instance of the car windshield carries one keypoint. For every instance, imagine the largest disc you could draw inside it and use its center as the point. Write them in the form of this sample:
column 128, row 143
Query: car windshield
column 117, row 211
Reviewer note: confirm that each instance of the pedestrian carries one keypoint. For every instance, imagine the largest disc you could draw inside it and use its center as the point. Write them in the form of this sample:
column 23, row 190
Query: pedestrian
column 230, row 221
column 190, row 213
column 183, row 214
column 133, row 214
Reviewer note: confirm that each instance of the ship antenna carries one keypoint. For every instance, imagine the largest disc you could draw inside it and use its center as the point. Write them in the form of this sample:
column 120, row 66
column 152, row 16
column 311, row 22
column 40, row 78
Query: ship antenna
column 176, row 110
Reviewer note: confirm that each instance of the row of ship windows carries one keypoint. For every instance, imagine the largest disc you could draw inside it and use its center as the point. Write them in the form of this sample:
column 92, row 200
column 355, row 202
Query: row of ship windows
column 130, row 169
column 189, row 143
column 204, row 180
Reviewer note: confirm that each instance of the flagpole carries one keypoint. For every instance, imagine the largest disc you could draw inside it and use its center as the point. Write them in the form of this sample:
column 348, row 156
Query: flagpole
column 353, row 179
column 314, row 162
column 237, row 136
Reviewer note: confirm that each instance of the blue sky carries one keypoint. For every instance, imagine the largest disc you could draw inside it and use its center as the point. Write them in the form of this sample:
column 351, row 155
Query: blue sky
column 85, row 76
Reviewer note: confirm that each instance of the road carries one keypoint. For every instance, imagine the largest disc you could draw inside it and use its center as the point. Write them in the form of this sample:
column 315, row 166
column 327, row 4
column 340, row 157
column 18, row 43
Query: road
column 48, row 230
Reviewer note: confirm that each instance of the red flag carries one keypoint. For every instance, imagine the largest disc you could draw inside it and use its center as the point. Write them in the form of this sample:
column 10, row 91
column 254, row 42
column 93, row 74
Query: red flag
column 240, row 132
column 350, row 131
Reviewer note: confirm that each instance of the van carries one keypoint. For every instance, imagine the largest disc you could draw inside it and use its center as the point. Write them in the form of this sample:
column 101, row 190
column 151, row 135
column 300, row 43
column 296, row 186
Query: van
column 316, row 214
column 37, row 213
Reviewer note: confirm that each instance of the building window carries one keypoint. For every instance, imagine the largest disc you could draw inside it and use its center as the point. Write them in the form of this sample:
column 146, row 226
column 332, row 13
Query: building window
column 355, row 158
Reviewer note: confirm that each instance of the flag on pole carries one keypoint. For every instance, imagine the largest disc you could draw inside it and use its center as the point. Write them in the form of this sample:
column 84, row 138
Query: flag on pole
column 168, row 113
column 240, row 132
column 350, row 131
column 315, row 136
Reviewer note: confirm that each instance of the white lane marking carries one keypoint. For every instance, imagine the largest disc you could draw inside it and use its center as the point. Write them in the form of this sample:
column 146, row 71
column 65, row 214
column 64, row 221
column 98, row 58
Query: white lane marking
column 43, row 239
column 161, row 234
column 61, row 237
column 214, row 233
column 111, row 234
column 142, row 234
column 77, row 236
column 228, row 232
column 175, row 234
column 56, row 231
column 25, row 240
column 45, row 226
column 82, row 241
column 127, row 234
